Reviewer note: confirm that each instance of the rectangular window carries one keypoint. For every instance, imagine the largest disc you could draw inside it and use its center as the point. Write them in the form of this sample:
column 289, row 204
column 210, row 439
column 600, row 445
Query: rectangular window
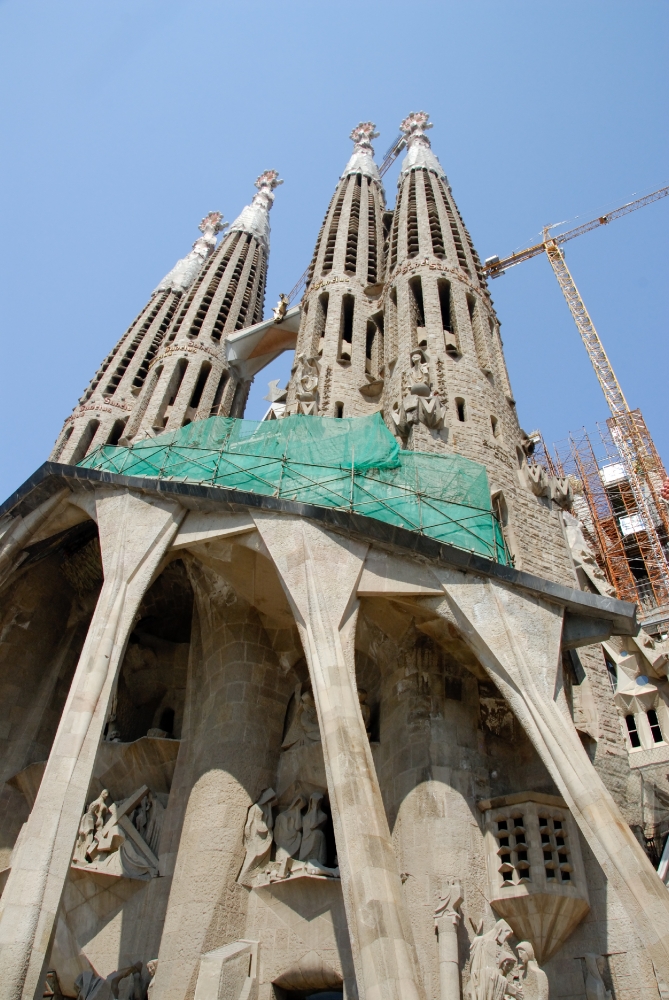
column 654, row 724
column 632, row 731
column 346, row 339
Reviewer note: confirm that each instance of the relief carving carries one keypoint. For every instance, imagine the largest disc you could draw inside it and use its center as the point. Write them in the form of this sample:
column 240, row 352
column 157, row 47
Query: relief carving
column 121, row 838
column 421, row 403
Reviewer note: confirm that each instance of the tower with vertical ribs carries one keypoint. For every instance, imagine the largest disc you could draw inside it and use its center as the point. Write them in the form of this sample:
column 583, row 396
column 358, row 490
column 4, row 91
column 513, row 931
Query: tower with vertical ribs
column 339, row 352
column 169, row 368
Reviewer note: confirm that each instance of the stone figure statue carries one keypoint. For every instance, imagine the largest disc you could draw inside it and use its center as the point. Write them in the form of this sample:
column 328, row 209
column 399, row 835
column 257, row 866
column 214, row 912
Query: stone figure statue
column 281, row 308
column 364, row 708
column 288, row 830
column 533, row 979
column 314, row 845
column 151, row 968
column 488, row 970
column 258, row 834
column 594, row 984
column 91, row 823
column 419, row 376
column 304, row 729
column 90, row 986
column 308, row 378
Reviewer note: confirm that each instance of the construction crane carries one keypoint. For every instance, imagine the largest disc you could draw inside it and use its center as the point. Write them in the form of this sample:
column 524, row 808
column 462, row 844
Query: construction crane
column 646, row 479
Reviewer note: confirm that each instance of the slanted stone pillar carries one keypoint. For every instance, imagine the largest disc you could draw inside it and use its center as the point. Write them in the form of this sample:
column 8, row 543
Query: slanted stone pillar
column 517, row 639
column 320, row 573
column 233, row 741
column 135, row 533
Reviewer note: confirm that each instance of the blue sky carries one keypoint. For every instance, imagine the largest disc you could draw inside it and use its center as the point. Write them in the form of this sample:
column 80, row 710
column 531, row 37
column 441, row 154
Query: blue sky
column 123, row 123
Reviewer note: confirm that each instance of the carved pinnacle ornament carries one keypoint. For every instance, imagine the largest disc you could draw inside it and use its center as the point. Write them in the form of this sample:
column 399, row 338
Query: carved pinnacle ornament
column 415, row 126
column 268, row 181
column 213, row 223
column 362, row 136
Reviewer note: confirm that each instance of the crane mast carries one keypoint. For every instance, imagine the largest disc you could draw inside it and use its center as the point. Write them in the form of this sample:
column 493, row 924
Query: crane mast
column 640, row 495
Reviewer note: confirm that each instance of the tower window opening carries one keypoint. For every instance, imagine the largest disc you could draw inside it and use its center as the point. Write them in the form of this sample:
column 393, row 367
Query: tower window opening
column 412, row 219
column 248, row 290
column 444, row 288
column 85, row 441
column 353, row 227
column 200, row 384
column 218, row 395
column 494, row 424
column 460, row 409
column 215, row 264
column 312, row 266
column 372, row 252
column 392, row 324
column 370, row 338
column 436, row 236
column 219, row 324
column 143, row 369
column 632, row 731
column 455, row 232
column 339, row 410
column 132, row 349
column 320, row 320
column 393, row 238
column 417, row 307
column 116, row 432
column 452, row 351
column 480, row 340
column 346, row 338
column 654, row 724
column 612, row 671
column 328, row 260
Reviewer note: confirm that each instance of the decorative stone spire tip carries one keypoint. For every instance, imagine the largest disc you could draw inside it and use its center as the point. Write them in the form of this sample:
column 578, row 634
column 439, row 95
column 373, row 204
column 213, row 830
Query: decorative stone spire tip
column 362, row 136
column 415, row 125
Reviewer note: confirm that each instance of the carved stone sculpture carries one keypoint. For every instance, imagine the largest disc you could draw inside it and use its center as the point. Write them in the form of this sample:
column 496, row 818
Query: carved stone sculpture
column 151, row 968
column 281, row 308
column 594, row 984
column 258, row 835
column 533, row 979
column 90, row 986
column 307, row 393
column 420, row 404
column 446, row 920
column 314, row 846
column 304, row 729
column 488, row 965
column 121, row 838
column 288, row 830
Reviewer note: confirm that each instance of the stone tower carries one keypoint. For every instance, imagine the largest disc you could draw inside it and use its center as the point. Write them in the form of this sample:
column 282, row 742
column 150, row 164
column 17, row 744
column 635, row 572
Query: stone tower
column 339, row 352
column 169, row 368
column 268, row 718
column 104, row 409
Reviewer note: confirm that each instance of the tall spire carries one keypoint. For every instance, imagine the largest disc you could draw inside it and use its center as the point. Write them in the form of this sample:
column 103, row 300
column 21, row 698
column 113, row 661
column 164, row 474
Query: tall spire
column 255, row 217
column 419, row 151
column 103, row 410
column 340, row 342
column 190, row 379
column 184, row 272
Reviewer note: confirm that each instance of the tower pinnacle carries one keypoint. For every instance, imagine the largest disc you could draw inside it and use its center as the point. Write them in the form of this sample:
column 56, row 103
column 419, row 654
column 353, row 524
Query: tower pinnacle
column 362, row 160
column 254, row 218
column 419, row 153
column 184, row 272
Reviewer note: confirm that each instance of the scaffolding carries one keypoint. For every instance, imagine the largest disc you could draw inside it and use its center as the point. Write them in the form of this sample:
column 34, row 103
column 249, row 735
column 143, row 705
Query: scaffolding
column 618, row 484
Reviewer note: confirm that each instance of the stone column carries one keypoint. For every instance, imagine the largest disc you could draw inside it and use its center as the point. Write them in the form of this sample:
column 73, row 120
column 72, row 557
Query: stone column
column 517, row 639
column 237, row 702
column 446, row 920
column 135, row 533
column 320, row 572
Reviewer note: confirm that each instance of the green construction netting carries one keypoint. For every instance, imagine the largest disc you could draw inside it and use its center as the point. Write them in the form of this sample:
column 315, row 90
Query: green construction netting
column 352, row 464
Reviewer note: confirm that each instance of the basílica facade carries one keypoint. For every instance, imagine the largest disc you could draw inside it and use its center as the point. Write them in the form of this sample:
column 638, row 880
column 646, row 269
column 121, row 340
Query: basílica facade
column 274, row 722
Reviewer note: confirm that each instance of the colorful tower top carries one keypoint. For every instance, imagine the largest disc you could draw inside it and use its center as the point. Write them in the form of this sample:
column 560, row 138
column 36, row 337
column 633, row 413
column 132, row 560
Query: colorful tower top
column 419, row 152
column 254, row 218
column 184, row 272
column 362, row 160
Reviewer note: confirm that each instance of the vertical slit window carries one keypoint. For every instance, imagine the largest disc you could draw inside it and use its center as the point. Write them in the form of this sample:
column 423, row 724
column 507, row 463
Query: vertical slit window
column 460, row 409
column 632, row 731
column 392, row 324
column 417, row 307
column 116, row 432
column 320, row 319
column 455, row 232
column 372, row 238
column 218, row 395
column 200, row 384
column 346, row 338
column 353, row 228
column 436, row 235
column 480, row 342
column 370, row 339
column 248, row 291
column 393, row 237
column 328, row 261
column 412, row 219
column 654, row 724
column 85, row 441
column 444, row 288
column 230, row 291
column 339, row 409
column 141, row 373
